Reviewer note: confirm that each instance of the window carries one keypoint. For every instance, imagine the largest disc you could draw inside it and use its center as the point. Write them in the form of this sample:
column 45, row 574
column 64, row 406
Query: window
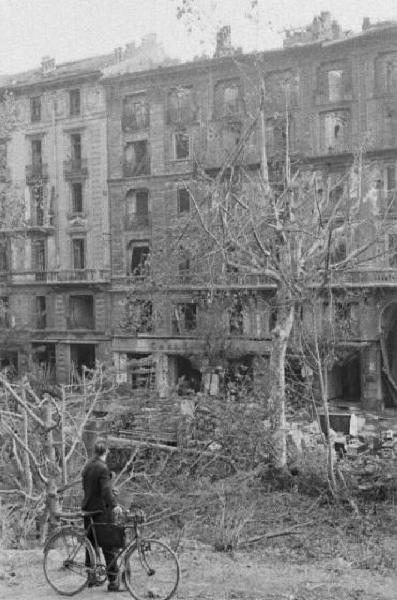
column 77, row 197
column 75, row 144
column 81, row 312
column 136, row 159
column 74, row 102
column 138, row 255
column 183, row 196
column 37, row 159
column 3, row 160
column 41, row 312
column 78, row 245
column 37, row 205
column 138, row 318
column 135, row 113
column 335, row 85
column 141, row 371
column 38, row 256
column 35, row 109
column 236, row 319
column 276, row 136
column 282, row 89
column 386, row 74
column 3, row 257
column 181, row 145
column 181, row 107
column 185, row 317
column 137, row 209
column 392, row 250
column 4, row 312
column 228, row 98
column 335, row 131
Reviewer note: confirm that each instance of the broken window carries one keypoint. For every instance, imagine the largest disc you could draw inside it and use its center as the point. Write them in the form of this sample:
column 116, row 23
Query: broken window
column 37, row 159
column 3, row 160
column 4, row 312
column 392, row 250
column 41, row 312
column 77, row 197
column 37, row 205
column 181, row 107
column 74, row 102
column 335, row 131
column 35, row 109
column 81, row 312
column 78, row 251
column 137, row 208
column 81, row 356
column 141, row 371
column 135, row 113
column 138, row 257
column 39, row 259
column 181, row 145
column 228, row 98
column 236, row 317
column 183, row 197
column 3, row 257
column 282, row 89
column 139, row 316
column 276, row 136
column 185, row 317
column 335, row 85
column 136, row 159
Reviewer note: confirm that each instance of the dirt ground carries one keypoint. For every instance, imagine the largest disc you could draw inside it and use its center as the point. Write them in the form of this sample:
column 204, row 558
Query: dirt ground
column 263, row 573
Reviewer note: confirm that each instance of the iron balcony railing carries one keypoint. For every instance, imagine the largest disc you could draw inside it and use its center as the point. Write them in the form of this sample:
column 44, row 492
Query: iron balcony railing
column 36, row 172
column 62, row 276
column 75, row 168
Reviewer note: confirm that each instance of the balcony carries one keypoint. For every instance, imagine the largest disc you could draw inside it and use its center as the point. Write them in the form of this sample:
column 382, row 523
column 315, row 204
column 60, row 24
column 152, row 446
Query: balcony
column 382, row 277
column 63, row 276
column 75, row 168
column 36, row 173
column 138, row 168
column 137, row 222
column 193, row 280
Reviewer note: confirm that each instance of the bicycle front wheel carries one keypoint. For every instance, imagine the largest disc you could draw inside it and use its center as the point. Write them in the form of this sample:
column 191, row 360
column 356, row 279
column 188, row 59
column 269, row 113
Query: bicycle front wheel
column 65, row 556
column 151, row 570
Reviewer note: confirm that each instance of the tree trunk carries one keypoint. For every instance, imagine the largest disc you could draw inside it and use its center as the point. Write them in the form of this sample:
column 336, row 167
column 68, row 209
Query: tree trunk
column 276, row 402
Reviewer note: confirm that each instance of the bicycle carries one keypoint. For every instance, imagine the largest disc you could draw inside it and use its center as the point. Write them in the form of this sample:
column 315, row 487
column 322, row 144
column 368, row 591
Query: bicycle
column 149, row 567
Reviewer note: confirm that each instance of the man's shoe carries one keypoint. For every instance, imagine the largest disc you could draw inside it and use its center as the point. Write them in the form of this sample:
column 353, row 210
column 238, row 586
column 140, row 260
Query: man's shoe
column 113, row 586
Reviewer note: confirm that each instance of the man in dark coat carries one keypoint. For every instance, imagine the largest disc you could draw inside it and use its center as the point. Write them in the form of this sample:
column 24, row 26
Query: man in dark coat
column 99, row 495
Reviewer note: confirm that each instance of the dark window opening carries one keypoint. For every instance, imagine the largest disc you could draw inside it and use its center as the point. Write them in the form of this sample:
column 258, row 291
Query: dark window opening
column 228, row 98
column 3, row 257
column 181, row 105
column 183, row 200
column 185, row 318
column 141, row 371
column 35, row 109
column 136, row 159
column 81, row 312
column 239, row 376
column 41, row 312
column 37, row 194
column 81, row 356
column 78, row 245
column 393, row 250
column 4, row 312
column 75, row 143
column 44, row 357
column 188, row 379
column 137, row 208
column 37, row 159
column 77, row 197
column 39, row 263
column 138, row 259
column 74, row 102
column 182, row 145
column 236, row 318
column 135, row 113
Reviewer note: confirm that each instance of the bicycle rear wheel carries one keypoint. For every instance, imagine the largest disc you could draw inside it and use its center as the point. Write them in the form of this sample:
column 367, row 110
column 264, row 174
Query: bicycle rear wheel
column 64, row 561
column 151, row 570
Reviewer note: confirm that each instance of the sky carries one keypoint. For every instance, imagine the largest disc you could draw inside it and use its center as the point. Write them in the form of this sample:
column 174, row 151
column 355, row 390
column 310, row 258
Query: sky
column 72, row 29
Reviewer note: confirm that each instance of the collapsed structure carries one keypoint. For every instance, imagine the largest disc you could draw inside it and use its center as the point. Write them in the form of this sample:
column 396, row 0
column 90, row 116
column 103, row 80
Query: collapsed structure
column 97, row 158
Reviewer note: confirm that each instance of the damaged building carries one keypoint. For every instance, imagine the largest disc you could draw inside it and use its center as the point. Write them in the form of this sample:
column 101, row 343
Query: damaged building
column 104, row 154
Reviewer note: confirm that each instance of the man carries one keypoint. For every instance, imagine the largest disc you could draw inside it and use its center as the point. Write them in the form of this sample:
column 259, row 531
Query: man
column 99, row 495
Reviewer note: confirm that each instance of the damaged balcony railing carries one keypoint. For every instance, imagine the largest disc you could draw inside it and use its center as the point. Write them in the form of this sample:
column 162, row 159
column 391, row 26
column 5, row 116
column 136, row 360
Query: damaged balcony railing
column 62, row 276
column 387, row 276
column 202, row 280
column 36, row 172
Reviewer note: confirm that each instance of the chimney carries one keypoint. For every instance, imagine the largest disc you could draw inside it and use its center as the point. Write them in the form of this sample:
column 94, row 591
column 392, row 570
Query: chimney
column 118, row 54
column 224, row 42
column 366, row 24
column 47, row 65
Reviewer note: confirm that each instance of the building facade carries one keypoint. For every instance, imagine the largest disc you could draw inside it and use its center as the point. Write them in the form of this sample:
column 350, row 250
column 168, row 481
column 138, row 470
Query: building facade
column 106, row 193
